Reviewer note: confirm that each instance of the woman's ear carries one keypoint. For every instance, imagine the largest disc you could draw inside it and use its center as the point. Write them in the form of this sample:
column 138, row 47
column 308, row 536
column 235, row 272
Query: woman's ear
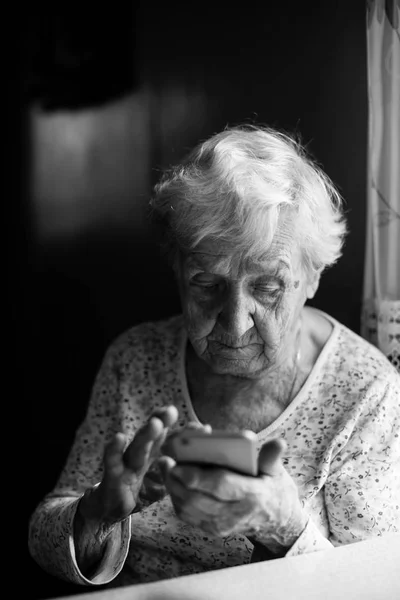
column 312, row 284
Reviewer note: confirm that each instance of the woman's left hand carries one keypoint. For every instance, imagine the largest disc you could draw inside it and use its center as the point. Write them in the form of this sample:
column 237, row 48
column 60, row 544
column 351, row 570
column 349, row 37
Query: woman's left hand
column 266, row 508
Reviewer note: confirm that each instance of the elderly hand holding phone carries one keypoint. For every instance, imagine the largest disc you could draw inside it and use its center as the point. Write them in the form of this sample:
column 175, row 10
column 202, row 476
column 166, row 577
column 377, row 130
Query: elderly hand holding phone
column 217, row 497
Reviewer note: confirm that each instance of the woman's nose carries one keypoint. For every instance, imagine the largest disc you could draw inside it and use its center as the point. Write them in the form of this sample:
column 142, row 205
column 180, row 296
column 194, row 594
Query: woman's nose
column 235, row 316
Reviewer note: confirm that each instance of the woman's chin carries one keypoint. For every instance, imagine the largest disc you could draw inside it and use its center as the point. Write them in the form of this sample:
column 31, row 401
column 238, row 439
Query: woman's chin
column 238, row 367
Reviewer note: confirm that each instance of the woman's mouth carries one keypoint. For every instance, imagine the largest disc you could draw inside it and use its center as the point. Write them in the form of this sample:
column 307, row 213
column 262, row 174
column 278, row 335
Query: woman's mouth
column 234, row 352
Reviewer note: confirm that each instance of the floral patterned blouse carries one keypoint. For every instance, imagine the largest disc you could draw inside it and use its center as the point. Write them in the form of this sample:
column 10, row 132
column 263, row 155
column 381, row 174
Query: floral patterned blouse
column 343, row 451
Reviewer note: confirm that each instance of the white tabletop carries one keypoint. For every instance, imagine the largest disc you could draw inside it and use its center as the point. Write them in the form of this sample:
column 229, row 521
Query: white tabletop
column 368, row 570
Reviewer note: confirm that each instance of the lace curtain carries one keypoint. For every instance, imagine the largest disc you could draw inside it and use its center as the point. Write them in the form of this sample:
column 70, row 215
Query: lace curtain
column 380, row 321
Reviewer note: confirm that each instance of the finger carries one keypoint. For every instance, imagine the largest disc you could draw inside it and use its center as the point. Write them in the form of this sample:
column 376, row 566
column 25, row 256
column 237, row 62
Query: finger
column 222, row 484
column 168, row 446
column 195, row 506
column 113, row 455
column 137, row 455
column 165, row 464
column 175, row 486
column 269, row 460
column 195, row 425
column 167, row 414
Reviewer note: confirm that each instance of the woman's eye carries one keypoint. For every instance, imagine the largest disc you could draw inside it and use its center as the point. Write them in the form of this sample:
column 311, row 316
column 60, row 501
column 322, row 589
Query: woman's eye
column 270, row 291
column 205, row 283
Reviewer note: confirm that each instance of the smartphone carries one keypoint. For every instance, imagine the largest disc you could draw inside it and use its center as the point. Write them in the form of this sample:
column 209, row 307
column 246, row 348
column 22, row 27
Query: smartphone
column 235, row 451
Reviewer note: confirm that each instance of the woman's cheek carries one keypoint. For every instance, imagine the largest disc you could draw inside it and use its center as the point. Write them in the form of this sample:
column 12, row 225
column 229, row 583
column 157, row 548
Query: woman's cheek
column 200, row 319
column 285, row 321
column 205, row 306
column 273, row 323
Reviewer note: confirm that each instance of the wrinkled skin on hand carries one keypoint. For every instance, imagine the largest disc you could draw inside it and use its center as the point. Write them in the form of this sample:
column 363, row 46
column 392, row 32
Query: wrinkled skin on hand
column 265, row 508
column 126, row 464
column 153, row 486
column 125, row 469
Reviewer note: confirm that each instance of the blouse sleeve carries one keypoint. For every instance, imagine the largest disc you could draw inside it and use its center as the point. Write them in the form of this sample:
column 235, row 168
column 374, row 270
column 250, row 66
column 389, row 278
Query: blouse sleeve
column 362, row 485
column 51, row 541
column 362, row 490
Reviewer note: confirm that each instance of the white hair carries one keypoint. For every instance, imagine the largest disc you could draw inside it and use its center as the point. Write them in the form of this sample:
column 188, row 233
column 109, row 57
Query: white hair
column 234, row 186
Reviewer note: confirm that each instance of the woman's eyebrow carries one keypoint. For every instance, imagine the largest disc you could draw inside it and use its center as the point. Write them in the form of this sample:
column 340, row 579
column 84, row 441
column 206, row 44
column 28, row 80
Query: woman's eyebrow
column 274, row 267
column 197, row 256
column 278, row 269
column 201, row 260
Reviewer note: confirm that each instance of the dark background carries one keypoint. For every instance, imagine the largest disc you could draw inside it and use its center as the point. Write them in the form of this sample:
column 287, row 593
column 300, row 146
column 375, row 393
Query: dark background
column 102, row 100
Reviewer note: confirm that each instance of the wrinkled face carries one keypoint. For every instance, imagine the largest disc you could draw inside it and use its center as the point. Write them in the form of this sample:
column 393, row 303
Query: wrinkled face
column 242, row 314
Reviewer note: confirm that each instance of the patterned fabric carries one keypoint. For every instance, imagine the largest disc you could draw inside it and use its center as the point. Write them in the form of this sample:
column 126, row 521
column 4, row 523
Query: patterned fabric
column 343, row 451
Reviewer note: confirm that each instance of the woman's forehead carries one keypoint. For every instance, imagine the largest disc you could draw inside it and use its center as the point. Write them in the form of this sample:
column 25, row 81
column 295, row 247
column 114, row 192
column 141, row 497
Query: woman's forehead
column 252, row 248
column 211, row 254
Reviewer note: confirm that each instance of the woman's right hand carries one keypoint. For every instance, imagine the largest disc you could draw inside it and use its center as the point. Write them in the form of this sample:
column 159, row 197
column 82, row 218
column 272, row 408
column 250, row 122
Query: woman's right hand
column 124, row 469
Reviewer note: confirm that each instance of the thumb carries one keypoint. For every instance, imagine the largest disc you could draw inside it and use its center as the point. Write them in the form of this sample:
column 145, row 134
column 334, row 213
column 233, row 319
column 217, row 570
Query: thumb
column 269, row 460
column 165, row 464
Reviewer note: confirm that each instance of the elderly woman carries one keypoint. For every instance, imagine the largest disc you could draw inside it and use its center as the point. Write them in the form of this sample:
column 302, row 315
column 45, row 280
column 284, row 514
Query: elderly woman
column 250, row 223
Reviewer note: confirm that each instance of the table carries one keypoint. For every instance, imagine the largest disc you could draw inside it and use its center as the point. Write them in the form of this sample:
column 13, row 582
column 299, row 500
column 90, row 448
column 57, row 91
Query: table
column 367, row 570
